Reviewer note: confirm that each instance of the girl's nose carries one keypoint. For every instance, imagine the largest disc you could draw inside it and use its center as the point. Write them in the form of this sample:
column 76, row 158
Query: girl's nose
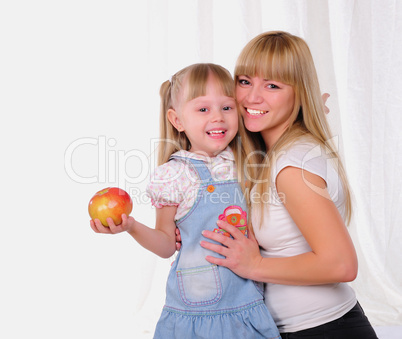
column 217, row 115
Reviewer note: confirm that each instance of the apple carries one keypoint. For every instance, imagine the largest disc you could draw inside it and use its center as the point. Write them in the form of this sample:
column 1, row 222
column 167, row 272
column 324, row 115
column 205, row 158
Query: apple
column 110, row 202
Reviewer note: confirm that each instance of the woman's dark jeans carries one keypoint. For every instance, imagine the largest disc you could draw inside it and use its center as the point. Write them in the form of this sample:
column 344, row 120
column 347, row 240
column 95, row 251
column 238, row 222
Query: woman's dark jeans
column 353, row 325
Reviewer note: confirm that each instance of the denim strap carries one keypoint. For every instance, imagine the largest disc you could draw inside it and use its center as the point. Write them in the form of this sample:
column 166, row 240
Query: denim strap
column 199, row 166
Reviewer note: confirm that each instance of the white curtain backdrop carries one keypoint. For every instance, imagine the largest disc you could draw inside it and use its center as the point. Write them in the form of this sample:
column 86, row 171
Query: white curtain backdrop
column 79, row 83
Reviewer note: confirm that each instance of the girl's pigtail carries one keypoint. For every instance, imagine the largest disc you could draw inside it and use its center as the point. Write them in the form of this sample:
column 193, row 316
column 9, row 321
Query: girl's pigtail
column 171, row 140
column 166, row 104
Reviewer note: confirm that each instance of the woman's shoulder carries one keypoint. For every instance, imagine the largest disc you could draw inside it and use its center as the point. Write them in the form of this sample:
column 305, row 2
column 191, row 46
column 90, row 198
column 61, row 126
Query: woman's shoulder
column 305, row 153
column 298, row 148
column 303, row 144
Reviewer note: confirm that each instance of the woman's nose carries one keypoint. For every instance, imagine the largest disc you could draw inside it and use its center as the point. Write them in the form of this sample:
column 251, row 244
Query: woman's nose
column 254, row 95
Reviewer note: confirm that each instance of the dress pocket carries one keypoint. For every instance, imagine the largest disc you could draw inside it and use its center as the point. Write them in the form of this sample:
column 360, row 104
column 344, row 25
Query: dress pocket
column 200, row 285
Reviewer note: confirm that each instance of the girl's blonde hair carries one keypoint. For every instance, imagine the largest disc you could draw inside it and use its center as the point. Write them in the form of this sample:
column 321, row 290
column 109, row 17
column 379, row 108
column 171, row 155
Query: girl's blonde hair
column 287, row 58
column 187, row 84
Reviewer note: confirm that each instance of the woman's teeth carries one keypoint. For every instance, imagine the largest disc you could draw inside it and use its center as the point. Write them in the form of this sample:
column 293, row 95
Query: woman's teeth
column 256, row 111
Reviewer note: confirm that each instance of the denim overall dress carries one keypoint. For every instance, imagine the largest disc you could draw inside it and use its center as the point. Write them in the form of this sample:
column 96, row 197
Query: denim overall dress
column 205, row 300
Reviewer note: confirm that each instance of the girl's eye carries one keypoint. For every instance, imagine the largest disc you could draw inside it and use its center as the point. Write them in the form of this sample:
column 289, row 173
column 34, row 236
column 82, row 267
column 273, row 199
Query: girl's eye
column 203, row 109
column 227, row 108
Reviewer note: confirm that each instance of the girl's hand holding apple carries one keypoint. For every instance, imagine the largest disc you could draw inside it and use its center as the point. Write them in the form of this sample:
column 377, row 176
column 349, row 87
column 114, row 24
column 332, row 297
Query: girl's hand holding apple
column 109, row 209
column 126, row 225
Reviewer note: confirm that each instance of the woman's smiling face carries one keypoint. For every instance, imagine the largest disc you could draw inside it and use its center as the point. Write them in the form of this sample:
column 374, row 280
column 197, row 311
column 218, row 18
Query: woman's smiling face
column 266, row 106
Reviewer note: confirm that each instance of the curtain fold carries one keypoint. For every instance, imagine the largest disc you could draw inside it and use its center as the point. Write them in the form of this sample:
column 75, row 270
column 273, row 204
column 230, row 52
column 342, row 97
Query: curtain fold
column 371, row 119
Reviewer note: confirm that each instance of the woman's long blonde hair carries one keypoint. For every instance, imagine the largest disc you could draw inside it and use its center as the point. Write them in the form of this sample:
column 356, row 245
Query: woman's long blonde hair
column 287, row 58
column 194, row 80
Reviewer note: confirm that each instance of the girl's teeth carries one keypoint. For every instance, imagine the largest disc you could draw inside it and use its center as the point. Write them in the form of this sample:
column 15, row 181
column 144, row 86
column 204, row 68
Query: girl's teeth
column 216, row 132
column 255, row 111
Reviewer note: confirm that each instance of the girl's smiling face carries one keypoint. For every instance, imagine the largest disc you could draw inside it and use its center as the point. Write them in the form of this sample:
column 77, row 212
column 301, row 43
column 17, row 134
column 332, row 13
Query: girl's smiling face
column 210, row 122
column 266, row 106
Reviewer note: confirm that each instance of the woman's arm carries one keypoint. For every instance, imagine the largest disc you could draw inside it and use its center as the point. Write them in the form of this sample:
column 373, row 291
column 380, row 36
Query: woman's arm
column 159, row 240
column 332, row 258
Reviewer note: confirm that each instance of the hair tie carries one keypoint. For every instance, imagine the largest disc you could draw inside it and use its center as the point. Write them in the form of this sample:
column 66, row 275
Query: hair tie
column 171, row 79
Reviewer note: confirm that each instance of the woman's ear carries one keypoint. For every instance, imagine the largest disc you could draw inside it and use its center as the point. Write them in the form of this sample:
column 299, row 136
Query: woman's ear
column 174, row 119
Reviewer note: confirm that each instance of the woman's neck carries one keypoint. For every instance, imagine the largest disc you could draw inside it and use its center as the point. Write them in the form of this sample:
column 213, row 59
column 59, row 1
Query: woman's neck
column 270, row 137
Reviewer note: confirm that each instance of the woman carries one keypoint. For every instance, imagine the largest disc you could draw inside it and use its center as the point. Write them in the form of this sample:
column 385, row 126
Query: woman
column 300, row 200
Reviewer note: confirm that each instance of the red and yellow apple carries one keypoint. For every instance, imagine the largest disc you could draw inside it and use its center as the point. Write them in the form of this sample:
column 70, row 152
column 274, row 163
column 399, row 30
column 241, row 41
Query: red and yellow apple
column 110, row 202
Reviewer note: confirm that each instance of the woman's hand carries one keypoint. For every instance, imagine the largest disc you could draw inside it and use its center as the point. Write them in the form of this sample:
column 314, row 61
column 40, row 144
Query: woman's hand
column 242, row 254
column 325, row 97
column 126, row 224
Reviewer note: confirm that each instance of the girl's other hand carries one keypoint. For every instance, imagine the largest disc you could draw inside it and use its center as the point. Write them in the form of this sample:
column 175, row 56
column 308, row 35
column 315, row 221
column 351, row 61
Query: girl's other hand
column 126, row 224
column 242, row 254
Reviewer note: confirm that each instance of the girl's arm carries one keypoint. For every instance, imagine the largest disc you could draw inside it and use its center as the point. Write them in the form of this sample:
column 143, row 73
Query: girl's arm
column 332, row 258
column 159, row 240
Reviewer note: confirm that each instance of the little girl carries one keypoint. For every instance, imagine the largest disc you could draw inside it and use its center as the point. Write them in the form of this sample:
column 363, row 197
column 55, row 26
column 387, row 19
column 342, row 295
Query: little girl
column 194, row 186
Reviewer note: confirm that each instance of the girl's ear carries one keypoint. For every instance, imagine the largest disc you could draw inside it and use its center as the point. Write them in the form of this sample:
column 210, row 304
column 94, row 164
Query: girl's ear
column 174, row 119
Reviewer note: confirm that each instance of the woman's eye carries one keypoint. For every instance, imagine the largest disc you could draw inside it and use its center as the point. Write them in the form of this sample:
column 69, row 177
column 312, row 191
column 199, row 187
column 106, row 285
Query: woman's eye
column 244, row 82
column 272, row 86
